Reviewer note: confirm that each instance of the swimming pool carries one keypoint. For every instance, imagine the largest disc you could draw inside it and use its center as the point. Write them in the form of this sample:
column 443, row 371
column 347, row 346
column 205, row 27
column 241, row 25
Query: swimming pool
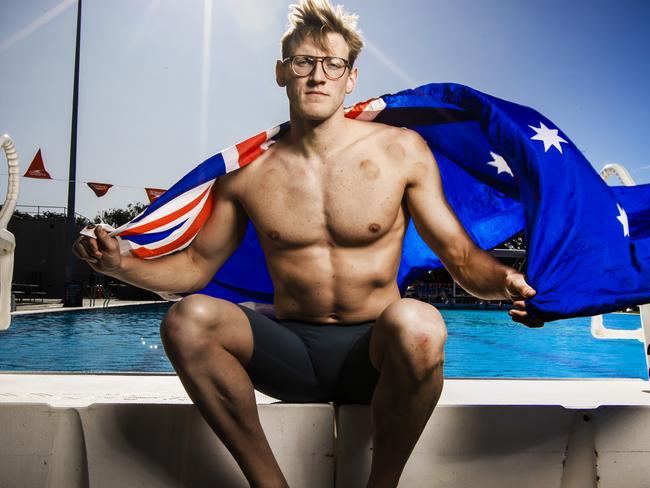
column 481, row 344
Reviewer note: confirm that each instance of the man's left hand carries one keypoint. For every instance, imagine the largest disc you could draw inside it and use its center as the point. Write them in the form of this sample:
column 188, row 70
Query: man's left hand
column 518, row 290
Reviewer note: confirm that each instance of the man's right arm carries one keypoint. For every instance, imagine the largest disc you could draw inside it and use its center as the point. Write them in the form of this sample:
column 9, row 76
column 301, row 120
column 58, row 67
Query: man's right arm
column 185, row 271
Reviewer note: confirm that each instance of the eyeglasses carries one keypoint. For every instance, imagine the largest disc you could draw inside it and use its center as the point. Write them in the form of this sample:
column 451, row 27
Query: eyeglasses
column 303, row 65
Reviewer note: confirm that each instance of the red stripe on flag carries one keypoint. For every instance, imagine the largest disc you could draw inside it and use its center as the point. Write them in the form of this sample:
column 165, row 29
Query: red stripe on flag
column 250, row 149
column 358, row 109
column 192, row 230
column 165, row 219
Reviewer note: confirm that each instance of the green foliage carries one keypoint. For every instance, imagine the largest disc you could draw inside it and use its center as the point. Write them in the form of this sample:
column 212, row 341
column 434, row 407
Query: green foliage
column 120, row 216
column 45, row 215
column 114, row 216
column 50, row 216
column 515, row 242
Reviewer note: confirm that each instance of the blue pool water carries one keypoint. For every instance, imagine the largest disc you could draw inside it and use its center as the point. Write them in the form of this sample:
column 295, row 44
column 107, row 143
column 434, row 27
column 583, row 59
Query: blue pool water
column 482, row 343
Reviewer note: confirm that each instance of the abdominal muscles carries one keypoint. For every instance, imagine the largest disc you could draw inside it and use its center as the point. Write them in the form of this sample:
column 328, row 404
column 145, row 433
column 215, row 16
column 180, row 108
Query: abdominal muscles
column 327, row 284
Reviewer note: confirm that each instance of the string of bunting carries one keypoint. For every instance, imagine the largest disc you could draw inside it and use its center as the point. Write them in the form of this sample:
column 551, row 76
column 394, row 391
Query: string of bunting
column 37, row 170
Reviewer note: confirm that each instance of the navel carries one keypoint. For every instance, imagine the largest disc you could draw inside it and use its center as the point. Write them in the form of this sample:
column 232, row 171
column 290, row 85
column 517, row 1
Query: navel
column 334, row 316
column 374, row 228
column 369, row 169
column 274, row 235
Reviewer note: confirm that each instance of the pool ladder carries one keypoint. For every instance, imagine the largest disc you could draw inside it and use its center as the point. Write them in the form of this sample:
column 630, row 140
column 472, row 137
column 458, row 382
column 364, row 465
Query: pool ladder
column 7, row 240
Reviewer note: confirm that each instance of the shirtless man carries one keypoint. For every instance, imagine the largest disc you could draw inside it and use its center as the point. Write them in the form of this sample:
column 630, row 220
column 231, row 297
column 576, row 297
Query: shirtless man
column 330, row 202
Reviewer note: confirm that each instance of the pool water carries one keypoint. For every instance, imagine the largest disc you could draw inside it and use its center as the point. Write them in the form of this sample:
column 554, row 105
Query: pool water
column 481, row 344
column 116, row 339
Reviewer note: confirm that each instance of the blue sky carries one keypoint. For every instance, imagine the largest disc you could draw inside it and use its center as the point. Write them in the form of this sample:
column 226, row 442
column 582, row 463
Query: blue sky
column 167, row 83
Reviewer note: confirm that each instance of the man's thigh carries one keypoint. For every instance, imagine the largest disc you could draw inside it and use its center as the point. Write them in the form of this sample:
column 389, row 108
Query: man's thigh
column 200, row 320
column 280, row 365
column 358, row 376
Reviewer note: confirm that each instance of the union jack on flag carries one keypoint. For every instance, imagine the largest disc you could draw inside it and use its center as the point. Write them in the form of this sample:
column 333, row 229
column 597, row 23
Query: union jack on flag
column 505, row 168
column 171, row 222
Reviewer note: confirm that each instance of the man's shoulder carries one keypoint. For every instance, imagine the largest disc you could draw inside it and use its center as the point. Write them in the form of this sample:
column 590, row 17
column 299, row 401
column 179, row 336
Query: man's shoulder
column 397, row 143
column 388, row 134
column 252, row 167
column 234, row 183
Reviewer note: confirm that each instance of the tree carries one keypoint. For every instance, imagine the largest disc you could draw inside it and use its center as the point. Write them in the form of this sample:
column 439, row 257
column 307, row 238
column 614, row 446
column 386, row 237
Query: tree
column 49, row 216
column 114, row 216
column 120, row 216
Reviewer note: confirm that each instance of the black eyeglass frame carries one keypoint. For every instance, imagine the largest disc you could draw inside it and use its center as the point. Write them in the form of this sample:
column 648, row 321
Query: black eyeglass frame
column 316, row 59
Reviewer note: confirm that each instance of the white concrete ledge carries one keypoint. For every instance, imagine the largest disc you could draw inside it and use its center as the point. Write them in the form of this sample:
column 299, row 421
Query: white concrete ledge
column 129, row 445
column 72, row 390
column 510, row 446
column 78, row 431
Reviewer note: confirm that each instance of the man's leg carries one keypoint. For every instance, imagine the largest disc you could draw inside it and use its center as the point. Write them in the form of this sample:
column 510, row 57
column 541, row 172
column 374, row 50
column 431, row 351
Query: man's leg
column 407, row 348
column 208, row 341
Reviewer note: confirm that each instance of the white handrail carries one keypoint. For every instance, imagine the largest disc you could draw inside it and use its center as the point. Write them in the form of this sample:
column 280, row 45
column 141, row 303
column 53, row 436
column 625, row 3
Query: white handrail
column 7, row 240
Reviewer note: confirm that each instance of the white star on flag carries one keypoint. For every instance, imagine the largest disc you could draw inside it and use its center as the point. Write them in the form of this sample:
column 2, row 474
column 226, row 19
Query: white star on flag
column 500, row 164
column 548, row 136
column 622, row 218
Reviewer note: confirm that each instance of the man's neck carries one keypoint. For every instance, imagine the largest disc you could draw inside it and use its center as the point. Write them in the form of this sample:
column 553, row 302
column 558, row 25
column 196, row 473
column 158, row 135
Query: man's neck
column 317, row 138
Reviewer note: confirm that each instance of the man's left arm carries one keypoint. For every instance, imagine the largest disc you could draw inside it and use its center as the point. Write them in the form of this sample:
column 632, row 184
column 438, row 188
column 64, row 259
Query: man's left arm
column 474, row 269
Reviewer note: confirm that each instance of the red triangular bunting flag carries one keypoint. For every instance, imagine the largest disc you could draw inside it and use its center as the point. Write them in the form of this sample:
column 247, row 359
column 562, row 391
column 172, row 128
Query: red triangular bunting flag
column 37, row 168
column 154, row 193
column 100, row 189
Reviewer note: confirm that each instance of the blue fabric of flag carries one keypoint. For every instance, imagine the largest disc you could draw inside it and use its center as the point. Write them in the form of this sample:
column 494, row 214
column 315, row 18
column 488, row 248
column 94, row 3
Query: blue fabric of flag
column 507, row 168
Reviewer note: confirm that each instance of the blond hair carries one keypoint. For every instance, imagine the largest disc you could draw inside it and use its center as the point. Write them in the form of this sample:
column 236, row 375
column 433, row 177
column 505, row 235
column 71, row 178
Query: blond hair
column 317, row 18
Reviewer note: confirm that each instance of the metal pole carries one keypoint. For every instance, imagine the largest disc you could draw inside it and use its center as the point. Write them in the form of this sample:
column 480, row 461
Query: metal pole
column 71, row 228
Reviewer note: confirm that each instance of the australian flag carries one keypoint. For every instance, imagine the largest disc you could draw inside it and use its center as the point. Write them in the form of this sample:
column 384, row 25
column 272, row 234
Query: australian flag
column 505, row 168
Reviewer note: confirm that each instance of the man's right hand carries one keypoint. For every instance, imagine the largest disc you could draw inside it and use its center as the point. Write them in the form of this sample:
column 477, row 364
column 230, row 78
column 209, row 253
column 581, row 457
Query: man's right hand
column 102, row 254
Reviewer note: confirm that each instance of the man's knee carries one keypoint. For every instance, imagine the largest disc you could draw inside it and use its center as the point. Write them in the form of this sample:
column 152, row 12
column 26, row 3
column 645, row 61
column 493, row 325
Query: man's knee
column 186, row 318
column 416, row 332
column 198, row 322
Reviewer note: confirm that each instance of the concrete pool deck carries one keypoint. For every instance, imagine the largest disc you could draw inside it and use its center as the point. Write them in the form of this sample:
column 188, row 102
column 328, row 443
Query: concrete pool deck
column 56, row 305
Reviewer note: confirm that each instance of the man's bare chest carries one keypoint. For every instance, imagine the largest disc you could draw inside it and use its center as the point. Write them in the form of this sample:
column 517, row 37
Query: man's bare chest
column 347, row 203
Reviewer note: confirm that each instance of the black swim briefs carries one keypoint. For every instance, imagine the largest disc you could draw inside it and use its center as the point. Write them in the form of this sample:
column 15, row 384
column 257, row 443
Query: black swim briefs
column 307, row 362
